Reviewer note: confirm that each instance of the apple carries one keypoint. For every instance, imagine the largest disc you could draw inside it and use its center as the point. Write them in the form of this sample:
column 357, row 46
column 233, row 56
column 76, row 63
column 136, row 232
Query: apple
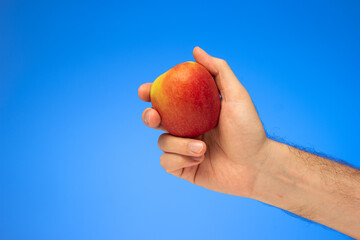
column 187, row 99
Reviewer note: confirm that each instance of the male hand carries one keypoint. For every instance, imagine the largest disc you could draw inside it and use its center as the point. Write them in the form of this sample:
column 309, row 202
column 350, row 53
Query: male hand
column 237, row 158
column 228, row 158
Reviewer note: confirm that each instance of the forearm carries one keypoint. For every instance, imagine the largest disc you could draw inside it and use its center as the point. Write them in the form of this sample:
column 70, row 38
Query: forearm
column 312, row 187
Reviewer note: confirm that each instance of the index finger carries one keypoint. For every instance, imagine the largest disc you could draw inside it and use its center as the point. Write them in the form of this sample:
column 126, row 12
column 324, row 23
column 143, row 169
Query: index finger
column 144, row 92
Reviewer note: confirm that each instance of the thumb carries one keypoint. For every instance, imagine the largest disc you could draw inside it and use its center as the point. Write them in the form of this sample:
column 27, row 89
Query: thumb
column 229, row 86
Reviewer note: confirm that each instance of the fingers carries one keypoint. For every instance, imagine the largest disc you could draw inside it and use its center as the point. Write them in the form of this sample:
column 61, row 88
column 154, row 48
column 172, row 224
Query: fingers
column 144, row 92
column 229, row 86
column 184, row 146
column 213, row 65
column 175, row 163
column 182, row 155
column 152, row 119
column 150, row 116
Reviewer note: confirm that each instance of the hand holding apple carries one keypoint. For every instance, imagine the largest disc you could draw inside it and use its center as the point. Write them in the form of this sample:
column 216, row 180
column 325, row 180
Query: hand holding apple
column 227, row 158
column 236, row 157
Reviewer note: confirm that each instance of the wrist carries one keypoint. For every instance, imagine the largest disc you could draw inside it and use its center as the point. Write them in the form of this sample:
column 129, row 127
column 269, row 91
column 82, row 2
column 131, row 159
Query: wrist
column 310, row 186
column 281, row 180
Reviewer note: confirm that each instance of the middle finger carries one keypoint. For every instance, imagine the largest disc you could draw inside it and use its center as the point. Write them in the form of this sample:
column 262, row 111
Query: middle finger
column 183, row 146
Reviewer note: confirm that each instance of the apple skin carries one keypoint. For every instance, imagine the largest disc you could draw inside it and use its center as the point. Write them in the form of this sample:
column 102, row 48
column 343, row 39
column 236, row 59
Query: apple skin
column 187, row 100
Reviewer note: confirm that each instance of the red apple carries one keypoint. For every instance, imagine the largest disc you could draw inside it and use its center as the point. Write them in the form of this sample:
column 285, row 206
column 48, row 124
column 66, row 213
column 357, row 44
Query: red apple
column 187, row 100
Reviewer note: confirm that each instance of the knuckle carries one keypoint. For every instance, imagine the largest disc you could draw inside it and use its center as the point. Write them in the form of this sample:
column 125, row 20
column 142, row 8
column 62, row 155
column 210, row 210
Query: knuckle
column 223, row 63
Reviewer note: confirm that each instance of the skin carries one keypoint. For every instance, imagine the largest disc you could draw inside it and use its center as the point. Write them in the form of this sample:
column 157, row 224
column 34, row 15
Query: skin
column 237, row 158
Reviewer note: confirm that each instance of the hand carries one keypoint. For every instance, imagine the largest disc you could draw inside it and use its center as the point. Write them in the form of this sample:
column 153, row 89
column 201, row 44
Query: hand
column 237, row 158
column 226, row 159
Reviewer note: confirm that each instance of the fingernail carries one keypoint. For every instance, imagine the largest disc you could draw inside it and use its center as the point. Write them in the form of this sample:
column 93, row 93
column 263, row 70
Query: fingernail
column 195, row 147
column 147, row 116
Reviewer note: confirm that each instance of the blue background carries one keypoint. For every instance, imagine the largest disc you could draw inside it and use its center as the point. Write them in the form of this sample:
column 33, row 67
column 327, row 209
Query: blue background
column 76, row 161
